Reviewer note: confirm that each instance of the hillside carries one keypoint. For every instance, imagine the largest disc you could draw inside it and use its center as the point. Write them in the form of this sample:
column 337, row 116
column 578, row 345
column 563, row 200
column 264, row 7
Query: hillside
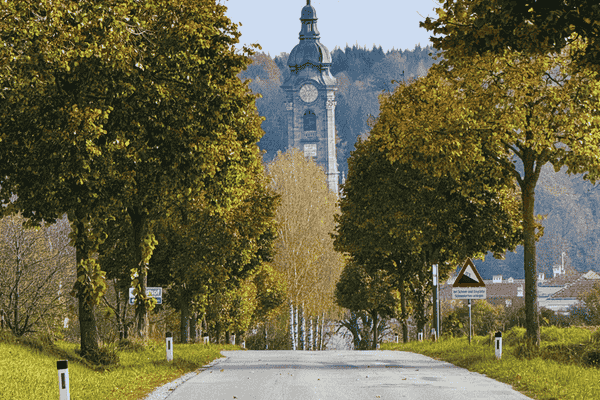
column 569, row 203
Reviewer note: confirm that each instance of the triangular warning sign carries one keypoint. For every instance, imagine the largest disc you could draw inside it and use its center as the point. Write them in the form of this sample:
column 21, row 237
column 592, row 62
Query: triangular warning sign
column 468, row 276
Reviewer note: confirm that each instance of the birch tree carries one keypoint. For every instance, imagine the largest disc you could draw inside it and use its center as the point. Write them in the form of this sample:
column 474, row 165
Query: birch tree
column 304, row 253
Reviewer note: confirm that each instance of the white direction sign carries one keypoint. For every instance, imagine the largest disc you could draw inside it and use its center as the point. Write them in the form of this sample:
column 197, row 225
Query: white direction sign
column 468, row 283
column 155, row 292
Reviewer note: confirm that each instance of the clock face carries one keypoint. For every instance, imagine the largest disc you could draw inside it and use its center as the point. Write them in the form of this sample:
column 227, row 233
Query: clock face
column 308, row 93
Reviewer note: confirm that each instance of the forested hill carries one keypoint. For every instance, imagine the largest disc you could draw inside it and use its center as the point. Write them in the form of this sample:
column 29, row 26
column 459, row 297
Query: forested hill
column 362, row 75
column 571, row 205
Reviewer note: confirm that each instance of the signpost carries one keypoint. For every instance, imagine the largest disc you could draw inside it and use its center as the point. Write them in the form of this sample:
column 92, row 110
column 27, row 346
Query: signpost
column 468, row 285
column 155, row 292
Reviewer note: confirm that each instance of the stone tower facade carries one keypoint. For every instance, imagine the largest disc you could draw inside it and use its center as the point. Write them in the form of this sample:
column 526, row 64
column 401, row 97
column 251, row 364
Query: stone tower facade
column 310, row 98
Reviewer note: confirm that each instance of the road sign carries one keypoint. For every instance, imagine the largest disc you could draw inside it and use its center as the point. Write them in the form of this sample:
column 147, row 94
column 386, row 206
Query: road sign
column 155, row 292
column 468, row 283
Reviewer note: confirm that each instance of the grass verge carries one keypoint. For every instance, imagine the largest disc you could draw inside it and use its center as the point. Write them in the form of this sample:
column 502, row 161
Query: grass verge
column 560, row 370
column 29, row 372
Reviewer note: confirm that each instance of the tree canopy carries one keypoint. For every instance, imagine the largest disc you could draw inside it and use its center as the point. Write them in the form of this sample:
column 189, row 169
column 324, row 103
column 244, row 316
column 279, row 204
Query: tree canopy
column 469, row 27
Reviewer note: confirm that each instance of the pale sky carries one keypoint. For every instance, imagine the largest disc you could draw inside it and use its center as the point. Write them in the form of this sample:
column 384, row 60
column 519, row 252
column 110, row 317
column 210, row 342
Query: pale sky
column 275, row 24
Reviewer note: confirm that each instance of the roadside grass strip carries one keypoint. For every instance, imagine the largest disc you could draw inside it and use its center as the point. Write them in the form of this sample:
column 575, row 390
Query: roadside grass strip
column 559, row 372
column 28, row 373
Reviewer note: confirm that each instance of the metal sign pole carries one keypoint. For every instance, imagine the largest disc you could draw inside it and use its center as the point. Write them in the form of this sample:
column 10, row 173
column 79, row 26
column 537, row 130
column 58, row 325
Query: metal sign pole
column 469, row 321
column 436, row 320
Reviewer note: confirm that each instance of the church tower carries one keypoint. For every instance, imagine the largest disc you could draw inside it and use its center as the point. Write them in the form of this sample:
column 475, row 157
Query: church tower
column 310, row 98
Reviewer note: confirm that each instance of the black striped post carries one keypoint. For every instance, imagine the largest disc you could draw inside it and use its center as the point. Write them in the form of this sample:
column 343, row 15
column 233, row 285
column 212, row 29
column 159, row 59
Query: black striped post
column 63, row 379
column 169, row 346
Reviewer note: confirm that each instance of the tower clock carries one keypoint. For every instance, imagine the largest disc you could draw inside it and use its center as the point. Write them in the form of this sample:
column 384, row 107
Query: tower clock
column 310, row 98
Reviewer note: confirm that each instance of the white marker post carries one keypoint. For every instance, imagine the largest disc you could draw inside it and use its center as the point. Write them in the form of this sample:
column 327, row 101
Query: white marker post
column 396, row 338
column 243, row 345
column 169, row 346
column 498, row 347
column 63, row 379
column 206, row 340
column 420, row 336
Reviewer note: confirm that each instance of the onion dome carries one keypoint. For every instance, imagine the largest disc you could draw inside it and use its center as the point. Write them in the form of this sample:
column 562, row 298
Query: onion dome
column 310, row 49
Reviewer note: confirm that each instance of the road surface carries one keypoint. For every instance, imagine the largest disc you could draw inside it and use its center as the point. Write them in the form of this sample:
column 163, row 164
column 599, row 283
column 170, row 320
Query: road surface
column 312, row 375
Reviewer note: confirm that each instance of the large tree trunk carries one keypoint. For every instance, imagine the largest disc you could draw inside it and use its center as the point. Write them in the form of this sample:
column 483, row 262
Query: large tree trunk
column 528, row 198
column 138, row 222
column 404, row 314
column 87, row 321
column 184, row 324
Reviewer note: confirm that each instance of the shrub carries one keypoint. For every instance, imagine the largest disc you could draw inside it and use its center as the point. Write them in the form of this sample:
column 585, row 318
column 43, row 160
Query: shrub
column 525, row 350
column 592, row 358
column 135, row 345
column 563, row 352
column 571, row 334
column 513, row 336
column 105, row 356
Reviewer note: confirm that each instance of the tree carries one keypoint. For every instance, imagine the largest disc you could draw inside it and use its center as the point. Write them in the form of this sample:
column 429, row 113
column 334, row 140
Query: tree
column 514, row 113
column 35, row 267
column 399, row 217
column 357, row 291
column 537, row 28
column 304, row 254
column 203, row 254
column 111, row 108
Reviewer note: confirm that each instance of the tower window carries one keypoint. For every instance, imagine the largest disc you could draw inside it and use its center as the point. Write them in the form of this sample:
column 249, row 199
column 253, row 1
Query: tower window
column 310, row 121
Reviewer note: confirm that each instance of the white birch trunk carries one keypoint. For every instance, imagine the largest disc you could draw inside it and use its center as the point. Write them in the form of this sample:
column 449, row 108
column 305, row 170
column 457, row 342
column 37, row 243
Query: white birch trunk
column 302, row 329
column 292, row 335
column 296, row 328
column 310, row 335
column 322, row 330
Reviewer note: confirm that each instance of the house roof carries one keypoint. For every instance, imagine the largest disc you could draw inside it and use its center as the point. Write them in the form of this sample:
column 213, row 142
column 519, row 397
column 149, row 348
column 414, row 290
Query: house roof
column 574, row 285
column 575, row 289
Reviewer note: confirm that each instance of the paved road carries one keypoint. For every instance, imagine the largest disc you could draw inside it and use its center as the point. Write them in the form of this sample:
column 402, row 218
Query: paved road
column 310, row 375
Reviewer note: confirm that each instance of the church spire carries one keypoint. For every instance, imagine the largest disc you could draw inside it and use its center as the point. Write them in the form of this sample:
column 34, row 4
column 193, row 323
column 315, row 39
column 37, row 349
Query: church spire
column 309, row 23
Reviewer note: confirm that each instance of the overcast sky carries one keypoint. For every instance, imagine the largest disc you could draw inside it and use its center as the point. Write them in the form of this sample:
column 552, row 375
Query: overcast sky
column 275, row 24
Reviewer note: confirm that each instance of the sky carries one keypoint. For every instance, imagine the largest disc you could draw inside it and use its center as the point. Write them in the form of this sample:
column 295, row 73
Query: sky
column 275, row 24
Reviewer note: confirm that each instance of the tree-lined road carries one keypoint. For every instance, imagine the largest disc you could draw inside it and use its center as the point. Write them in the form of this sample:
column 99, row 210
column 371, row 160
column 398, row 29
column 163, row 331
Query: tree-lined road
column 324, row 375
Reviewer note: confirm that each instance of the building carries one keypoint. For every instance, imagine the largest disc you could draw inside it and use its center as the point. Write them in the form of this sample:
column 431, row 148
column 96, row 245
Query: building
column 310, row 98
column 557, row 293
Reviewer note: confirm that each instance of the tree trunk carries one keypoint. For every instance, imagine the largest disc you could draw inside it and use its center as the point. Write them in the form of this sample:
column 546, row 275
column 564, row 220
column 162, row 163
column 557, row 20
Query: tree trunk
column 302, row 329
column 296, row 338
column 316, row 345
column 292, row 336
column 15, row 297
column 322, row 331
column 120, row 322
column 184, row 323
column 266, row 338
column 310, row 334
column 87, row 321
column 138, row 222
column 528, row 198
column 193, row 327
column 375, row 322
column 404, row 314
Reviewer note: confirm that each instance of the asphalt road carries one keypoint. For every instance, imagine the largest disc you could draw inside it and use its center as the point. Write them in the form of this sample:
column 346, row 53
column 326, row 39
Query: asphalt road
column 311, row 375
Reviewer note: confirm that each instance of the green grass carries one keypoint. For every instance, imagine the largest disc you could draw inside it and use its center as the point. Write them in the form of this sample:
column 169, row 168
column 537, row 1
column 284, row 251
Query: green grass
column 27, row 372
column 558, row 372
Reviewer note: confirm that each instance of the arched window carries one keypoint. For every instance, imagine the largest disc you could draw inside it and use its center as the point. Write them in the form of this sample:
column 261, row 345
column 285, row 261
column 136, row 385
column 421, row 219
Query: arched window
column 310, row 121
